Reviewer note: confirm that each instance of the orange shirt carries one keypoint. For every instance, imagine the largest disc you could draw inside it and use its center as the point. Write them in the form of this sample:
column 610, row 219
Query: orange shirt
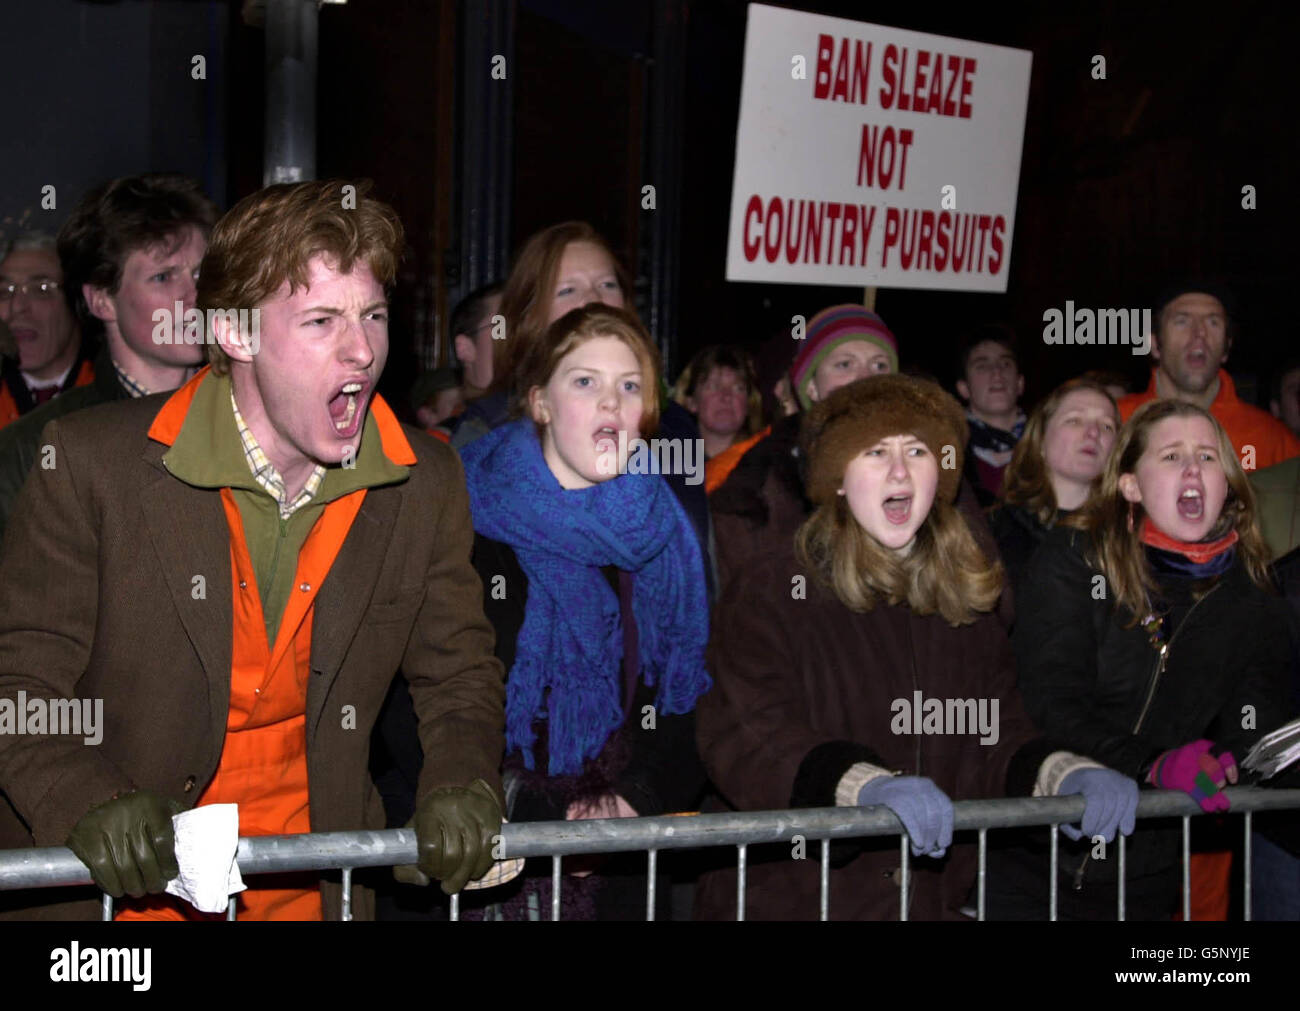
column 9, row 408
column 263, row 766
column 1246, row 425
column 718, row 468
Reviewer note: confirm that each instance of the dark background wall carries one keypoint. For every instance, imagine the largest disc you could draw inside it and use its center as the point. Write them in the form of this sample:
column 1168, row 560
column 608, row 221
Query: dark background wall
column 96, row 90
column 1125, row 182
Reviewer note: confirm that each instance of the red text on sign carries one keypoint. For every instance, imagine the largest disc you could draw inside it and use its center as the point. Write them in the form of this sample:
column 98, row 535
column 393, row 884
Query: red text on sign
column 938, row 84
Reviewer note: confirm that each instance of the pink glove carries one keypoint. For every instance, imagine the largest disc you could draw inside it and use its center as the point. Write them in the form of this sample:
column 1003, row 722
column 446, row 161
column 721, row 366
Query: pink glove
column 1197, row 771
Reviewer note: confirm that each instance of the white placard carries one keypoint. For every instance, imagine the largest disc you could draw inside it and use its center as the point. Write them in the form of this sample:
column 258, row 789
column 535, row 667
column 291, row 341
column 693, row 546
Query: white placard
column 868, row 155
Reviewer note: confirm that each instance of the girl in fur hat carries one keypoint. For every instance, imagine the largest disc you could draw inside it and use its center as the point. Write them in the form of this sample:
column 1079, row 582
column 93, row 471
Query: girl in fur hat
column 865, row 668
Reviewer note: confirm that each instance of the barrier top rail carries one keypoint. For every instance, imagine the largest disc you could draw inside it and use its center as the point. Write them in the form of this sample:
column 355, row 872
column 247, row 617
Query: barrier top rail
column 57, row 866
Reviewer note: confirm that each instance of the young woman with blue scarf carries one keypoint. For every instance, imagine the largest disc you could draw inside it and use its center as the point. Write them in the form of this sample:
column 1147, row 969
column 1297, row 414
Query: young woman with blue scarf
column 1148, row 636
column 594, row 581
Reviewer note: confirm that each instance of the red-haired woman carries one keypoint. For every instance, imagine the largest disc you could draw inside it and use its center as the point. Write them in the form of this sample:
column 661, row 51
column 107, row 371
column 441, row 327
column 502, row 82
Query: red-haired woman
column 594, row 582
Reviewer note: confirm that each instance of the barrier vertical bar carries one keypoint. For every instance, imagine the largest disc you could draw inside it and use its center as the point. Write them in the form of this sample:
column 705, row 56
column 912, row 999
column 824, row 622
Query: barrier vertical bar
column 230, row 910
column 740, row 882
column 455, row 908
column 984, row 846
column 825, row 912
column 347, row 894
column 555, row 888
column 652, row 864
column 904, row 896
column 1187, row 869
column 1245, row 908
column 1051, row 887
column 107, row 908
column 1123, row 913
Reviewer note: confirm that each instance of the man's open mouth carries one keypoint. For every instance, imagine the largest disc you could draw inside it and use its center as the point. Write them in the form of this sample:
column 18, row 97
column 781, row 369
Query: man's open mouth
column 347, row 407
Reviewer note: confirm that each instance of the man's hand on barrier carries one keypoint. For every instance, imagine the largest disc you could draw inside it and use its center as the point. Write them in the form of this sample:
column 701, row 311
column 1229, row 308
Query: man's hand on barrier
column 924, row 809
column 454, row 831
column 1110, row 801
column 1199, row 769
column 128, row 843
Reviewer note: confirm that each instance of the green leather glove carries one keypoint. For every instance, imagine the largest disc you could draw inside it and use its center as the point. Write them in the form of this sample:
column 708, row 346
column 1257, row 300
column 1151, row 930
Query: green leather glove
column 128, row 843
column 454, row 830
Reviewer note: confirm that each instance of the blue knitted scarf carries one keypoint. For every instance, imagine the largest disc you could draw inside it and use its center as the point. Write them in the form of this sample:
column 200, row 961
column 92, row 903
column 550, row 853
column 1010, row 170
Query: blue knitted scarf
column 570, row 648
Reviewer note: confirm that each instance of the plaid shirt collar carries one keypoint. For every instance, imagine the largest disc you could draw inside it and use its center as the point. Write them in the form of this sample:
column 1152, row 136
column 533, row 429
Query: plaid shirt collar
column 129, row 384
column 265, row 474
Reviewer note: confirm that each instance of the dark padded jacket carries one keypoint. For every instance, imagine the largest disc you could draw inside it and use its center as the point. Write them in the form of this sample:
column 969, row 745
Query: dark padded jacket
column 1095, row 686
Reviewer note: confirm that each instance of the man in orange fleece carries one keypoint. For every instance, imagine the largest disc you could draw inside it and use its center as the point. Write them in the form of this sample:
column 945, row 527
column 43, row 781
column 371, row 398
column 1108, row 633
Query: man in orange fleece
column 1193, row 338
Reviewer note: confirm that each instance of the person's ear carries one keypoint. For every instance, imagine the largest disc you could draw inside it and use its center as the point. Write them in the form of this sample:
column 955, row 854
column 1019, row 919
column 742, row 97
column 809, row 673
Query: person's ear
column 691, row 404
column 1020, row 386
column 537, row 406
column 99, row 302
column 466, row 351
column 225, row 331
column 812, row 391
column 1128, row 487
column 1275, row 409
column 963, row 389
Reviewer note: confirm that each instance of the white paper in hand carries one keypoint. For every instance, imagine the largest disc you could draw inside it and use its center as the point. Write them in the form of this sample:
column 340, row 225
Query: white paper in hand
column 206, row 839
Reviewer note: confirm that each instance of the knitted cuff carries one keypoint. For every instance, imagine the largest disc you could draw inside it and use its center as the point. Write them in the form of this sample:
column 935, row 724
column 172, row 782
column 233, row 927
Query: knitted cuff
column 1056, row 767
column 852, row 782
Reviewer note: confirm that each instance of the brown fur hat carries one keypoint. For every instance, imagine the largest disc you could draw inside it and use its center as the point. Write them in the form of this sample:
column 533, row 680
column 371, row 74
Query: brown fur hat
column 857, row 416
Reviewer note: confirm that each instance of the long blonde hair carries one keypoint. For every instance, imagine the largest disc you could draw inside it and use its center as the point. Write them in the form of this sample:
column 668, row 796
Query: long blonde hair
column 944, row 573
column 1116, row 548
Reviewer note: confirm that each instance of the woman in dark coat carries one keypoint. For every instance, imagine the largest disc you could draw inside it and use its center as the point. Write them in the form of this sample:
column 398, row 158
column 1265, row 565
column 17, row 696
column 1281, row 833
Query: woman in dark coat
column 1147, row 636
column 823, row 656
column 1055, row 467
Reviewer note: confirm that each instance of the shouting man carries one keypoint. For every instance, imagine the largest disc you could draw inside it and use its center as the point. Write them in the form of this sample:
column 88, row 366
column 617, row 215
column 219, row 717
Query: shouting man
column 238, row 569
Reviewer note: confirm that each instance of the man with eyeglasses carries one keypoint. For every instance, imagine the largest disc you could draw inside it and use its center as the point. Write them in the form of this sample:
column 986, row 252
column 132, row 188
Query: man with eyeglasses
column 130, row 249
column 48, row 356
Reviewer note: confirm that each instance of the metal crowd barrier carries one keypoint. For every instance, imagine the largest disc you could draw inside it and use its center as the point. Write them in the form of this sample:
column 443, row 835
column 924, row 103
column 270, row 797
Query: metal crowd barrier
column 57, row 866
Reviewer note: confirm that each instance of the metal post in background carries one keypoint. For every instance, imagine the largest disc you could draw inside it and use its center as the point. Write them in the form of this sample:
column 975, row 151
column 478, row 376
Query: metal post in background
column 484, row 168
column 660, row 234
column 290, row 153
